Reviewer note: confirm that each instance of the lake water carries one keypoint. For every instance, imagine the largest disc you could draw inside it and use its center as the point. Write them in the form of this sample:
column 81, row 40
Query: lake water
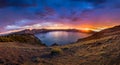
column 60, row 37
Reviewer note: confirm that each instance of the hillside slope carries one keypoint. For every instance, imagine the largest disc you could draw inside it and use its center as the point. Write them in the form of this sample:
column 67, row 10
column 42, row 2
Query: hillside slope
column 102, row 48
column 22, row 38
column 104, row 33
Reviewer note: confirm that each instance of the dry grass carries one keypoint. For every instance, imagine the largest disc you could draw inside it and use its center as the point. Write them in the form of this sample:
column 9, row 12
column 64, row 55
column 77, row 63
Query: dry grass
column 97, row 50
column 21, row 38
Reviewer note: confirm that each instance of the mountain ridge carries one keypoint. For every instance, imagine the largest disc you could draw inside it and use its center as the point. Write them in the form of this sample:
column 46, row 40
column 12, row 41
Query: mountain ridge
column 36, row 31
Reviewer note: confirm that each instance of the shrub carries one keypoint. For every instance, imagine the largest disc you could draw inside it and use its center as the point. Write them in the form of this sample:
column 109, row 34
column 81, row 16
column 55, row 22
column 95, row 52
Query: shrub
column 66, row 48
column 56, row 51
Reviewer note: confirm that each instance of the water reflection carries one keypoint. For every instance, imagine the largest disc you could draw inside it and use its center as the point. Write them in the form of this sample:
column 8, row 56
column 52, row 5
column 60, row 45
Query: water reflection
column 60, row 37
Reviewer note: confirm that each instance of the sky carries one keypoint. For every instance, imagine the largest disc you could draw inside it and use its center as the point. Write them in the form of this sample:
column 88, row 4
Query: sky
column 59, row 14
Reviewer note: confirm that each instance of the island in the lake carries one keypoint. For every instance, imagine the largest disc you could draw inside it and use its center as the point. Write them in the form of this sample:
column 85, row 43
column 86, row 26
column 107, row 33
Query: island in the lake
column 101, row 48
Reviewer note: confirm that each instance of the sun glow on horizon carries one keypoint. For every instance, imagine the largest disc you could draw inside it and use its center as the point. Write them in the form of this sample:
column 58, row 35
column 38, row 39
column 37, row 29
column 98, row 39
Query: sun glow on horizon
column 97, row 29
column 84, row 28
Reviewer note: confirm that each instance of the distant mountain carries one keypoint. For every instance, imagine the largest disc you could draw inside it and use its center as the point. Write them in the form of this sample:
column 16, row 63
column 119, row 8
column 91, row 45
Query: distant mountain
column 35, row 31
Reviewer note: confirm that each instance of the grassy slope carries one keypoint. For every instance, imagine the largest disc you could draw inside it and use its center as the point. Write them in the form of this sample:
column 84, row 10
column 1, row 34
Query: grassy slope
column 22, row 38
column 13, row 53
column 103, row 50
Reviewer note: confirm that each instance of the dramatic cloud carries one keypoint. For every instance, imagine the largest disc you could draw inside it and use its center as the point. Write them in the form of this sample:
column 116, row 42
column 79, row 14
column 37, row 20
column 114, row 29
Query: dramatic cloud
column 16, row 14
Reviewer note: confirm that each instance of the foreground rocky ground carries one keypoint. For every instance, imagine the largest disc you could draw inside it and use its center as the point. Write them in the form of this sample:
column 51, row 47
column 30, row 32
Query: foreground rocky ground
column 102, row 48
